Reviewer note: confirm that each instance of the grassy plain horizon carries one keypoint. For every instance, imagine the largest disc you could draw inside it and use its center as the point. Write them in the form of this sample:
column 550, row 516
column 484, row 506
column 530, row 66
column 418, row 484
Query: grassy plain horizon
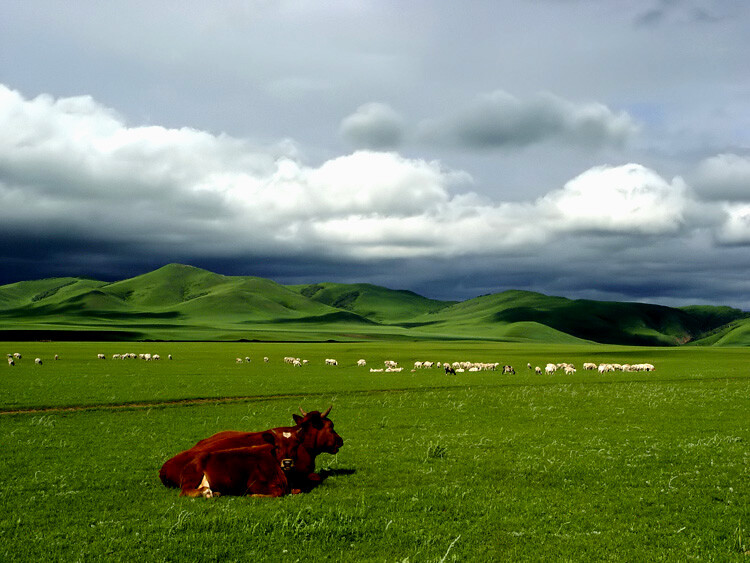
column 482, row 466
column 179, row 302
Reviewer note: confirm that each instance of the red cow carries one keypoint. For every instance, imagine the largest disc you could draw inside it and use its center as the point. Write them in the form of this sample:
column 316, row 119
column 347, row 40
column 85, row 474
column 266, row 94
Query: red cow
column 257, row 470
column 240, row 471
column 318, row 436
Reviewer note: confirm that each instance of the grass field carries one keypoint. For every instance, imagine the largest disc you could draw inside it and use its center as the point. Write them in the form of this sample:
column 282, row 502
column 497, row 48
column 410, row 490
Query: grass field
column 477, row 467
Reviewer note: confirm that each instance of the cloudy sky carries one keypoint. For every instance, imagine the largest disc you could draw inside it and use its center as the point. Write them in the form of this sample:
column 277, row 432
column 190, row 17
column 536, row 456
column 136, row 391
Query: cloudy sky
column 584, row 148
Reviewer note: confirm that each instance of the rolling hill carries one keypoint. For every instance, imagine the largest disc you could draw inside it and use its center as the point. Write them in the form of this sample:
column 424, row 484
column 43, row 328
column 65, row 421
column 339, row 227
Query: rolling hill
column 179, row 302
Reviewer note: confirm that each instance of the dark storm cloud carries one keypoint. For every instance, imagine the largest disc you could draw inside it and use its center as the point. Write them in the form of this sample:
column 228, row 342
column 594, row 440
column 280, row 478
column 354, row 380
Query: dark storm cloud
column 724, row 177
column 502, row 120
column 684, row 11
column 373, row 126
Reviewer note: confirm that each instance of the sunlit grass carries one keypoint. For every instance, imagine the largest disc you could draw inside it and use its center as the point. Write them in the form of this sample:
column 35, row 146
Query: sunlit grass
column 637, row 467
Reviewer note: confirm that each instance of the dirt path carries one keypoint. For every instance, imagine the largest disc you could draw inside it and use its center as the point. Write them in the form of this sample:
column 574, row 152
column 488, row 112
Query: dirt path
column 124, row 406
column 227, row 400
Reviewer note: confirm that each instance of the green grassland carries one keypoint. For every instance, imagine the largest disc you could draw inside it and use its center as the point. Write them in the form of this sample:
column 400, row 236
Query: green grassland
column 478, row 467
column 179, row 302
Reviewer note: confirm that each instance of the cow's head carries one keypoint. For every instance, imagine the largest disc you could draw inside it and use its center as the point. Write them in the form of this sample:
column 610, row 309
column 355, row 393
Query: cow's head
column 286, row 442
column 319, row 431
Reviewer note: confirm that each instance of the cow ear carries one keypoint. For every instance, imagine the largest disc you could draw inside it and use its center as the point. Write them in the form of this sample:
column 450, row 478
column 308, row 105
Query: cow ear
column 297, row 418
column 269, row 437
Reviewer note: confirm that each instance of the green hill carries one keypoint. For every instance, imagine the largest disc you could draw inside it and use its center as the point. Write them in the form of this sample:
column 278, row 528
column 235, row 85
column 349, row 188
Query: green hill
column 596, row 321
column 51, row 290
column 371, row 301
column 734, row 333
column 184, row 302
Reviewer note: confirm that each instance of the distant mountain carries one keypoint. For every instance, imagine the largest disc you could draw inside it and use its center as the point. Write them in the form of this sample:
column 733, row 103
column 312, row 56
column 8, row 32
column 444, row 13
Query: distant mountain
column 184, row 302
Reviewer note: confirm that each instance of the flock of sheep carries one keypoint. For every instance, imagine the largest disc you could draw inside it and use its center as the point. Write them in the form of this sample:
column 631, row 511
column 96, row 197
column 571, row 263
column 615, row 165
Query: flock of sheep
column 570, row 369
column 132, row 356
column 390, row 366
column 13, row 358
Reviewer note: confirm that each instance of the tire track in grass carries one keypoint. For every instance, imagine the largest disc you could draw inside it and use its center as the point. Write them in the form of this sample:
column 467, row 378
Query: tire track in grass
column 259, row 398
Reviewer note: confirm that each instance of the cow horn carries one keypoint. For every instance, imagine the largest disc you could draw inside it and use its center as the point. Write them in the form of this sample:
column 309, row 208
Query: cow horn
column 325, row 414
column 303, row 412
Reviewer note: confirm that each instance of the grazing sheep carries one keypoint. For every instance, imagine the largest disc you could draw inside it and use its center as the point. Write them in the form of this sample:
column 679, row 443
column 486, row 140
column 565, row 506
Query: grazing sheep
column 38, row 361
column 538, row 370
column 361, row 363
column 101, row 356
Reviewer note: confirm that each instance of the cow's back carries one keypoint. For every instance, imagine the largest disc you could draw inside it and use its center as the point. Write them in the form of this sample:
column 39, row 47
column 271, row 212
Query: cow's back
column 172, row 469
column 237, row 471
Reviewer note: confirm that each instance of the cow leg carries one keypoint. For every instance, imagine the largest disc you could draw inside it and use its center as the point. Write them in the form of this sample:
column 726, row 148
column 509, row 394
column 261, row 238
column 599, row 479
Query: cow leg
column 203, row 490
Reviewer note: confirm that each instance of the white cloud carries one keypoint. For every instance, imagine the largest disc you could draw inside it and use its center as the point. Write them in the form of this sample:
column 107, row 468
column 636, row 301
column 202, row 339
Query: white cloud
column 736, row 227
column 629, row 199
